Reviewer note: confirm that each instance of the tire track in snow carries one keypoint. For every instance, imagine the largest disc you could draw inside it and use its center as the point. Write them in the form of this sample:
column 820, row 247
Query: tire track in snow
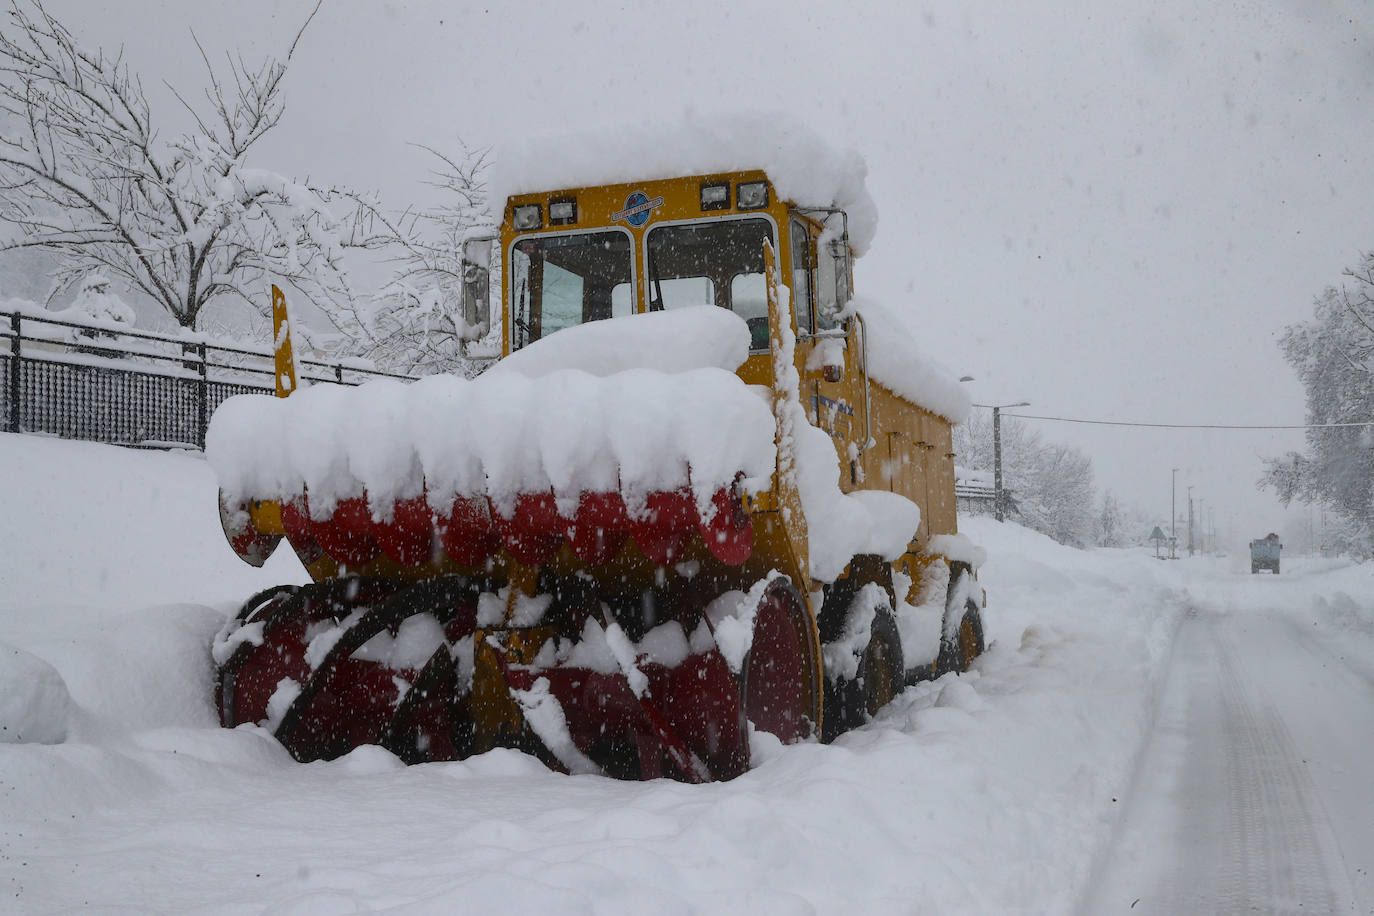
column 1223, row 816
column 1281, row 844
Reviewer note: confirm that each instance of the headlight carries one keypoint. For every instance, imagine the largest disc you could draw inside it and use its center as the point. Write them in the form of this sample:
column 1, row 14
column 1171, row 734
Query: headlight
column 715, row 196
column 752, row 196
column 562, row 212
column 530, row 216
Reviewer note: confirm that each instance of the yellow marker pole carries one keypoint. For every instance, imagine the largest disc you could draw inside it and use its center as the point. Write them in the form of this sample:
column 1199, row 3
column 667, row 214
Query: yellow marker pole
column 281, row 344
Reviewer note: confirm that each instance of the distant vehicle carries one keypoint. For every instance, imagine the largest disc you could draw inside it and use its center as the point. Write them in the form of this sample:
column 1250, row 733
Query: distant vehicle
column 1264, row 553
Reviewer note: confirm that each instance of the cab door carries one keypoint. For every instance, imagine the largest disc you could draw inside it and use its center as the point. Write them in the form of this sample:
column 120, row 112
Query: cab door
column 828, row 396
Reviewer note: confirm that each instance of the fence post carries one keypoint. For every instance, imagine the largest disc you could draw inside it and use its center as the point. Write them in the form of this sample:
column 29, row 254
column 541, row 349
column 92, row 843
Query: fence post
column 338, row 373
column 204, row 406
column 16, row 350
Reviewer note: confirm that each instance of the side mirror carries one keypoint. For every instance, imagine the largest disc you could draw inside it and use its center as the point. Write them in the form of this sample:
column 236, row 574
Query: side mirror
column 476, row 287
column 839, row 249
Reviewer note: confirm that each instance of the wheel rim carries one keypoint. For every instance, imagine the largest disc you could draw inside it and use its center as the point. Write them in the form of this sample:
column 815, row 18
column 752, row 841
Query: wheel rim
column 879, row 687
column 968, row 640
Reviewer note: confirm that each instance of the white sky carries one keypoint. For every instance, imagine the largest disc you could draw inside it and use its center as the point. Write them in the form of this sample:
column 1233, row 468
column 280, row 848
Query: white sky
column 1108, row 209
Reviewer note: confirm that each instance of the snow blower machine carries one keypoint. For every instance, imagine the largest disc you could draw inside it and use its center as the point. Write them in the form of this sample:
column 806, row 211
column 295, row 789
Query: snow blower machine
column 705, row 494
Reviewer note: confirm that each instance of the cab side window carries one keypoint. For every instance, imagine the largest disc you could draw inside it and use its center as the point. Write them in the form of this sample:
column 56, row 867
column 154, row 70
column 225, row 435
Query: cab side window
column 801, row 276
column 830, row 286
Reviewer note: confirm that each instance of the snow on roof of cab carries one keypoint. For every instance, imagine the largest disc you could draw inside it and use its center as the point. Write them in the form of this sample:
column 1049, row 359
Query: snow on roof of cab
column 803, row 167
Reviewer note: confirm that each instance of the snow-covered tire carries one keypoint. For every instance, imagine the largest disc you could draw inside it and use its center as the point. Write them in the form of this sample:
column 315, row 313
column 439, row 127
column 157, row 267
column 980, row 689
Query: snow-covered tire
column 880, row 675
column 962, row 639
column 968, row 642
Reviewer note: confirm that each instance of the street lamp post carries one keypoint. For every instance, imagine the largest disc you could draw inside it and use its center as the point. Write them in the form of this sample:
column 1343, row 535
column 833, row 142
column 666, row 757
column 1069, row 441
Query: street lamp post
column 997, row 499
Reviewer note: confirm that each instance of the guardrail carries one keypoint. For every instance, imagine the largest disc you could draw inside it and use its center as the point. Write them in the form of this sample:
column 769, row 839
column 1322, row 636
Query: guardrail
column 106, row 383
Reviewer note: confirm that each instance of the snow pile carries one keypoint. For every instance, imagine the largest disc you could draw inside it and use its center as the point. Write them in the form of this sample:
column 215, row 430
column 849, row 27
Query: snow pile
column 802, row 166
column 842, row 525
column 34, row 702
column 497, row 436
column 896, row 361
column 957, row 548
column 675, row 340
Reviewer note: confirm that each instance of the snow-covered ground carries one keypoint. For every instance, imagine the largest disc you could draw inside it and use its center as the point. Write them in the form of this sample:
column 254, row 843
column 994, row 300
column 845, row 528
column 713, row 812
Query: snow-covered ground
column 1000, row 791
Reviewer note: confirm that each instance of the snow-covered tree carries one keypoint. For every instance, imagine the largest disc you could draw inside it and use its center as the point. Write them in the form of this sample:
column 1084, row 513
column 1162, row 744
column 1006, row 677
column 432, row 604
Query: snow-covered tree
column 1058, row 497
column 1051, row 484
column 185, row 221
column 416, row 322
column 98, row 302
column 1333, row 354
column 1109, row 521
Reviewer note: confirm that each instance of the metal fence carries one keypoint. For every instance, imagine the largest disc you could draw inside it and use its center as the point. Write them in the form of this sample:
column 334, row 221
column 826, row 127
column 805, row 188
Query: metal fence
column 109, row 384
column 974, row 498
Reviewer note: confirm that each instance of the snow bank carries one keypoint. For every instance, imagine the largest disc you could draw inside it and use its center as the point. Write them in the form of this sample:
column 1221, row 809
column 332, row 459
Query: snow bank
column 802, row 166
column 94, row 517
column 959, row 798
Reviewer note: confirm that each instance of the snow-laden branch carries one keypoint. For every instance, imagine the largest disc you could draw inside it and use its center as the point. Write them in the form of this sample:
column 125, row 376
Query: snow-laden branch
column 415, row 323
column 84, row 173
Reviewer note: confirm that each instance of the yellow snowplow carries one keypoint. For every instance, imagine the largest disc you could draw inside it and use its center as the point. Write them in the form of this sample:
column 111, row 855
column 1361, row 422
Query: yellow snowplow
column 704, row 492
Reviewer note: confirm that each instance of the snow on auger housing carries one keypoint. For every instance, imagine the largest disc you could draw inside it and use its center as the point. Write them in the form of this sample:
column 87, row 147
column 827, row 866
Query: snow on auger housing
column 705, row 491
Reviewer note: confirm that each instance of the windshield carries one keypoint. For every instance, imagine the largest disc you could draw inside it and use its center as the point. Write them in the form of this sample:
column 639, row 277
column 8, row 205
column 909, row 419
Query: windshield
column 718, row 262
column 558, row 281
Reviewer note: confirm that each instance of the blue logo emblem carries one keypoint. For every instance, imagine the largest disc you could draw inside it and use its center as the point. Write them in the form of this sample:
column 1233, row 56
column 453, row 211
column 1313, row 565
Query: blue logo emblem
column 638, row 209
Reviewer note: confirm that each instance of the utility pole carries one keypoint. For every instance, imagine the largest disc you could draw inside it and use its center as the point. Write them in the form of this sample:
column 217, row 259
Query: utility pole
column 1202, row 525
column 1173, row 513
column 998, row 507
column 997, row 463
column 1190, row 521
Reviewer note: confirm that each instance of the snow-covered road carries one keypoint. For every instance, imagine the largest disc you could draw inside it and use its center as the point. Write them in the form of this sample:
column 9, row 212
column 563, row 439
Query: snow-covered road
column 1254, row 792
column 1182, row 733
